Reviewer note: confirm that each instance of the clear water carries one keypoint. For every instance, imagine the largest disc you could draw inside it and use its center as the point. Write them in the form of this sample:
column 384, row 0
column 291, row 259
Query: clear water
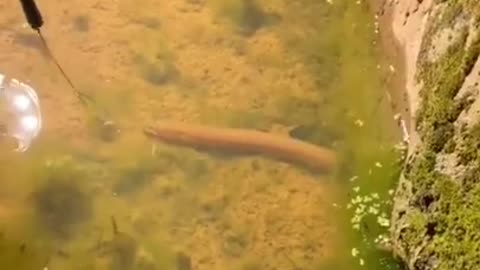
column 87, row 197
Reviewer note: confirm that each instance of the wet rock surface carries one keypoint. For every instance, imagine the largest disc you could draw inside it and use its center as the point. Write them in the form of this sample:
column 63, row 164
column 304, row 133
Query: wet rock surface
column 434, row 217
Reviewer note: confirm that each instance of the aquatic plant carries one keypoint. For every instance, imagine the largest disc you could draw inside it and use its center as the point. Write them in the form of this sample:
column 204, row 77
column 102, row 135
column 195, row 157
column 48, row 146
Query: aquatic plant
column 121, row 249
column 131, row 179
column 292, row 110
column 61, row 202
column 246, row 15
column 321, row 52
column 193, row 166
column 124, row 251
column 153, row 58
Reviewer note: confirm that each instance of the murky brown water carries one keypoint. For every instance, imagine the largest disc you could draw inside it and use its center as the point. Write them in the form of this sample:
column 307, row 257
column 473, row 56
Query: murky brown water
column 84, row 197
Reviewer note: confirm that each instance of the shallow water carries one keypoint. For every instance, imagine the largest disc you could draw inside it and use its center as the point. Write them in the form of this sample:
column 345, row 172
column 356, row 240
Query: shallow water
column 87, row 197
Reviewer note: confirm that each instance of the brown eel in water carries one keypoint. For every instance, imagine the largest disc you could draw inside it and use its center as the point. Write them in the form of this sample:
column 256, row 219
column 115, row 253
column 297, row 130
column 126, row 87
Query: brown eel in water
column 236, row 140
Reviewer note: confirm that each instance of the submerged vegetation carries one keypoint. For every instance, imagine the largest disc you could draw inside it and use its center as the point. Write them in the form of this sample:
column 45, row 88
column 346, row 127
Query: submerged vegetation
column 60, row 203
column 247, row 16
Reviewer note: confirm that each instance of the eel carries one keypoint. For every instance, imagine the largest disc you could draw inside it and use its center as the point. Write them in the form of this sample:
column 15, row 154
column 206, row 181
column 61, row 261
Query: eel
column 235, row 140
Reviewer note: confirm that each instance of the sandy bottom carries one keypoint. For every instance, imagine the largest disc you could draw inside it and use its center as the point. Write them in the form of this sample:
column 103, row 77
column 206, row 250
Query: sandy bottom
column 249, row 212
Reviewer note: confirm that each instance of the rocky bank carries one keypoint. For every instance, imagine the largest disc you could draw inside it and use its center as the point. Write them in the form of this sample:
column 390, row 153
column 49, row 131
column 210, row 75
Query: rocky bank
column 436, row 217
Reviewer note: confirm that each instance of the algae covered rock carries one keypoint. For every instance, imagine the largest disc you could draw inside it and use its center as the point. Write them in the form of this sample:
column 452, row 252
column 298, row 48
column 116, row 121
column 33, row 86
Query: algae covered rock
column 435, row 217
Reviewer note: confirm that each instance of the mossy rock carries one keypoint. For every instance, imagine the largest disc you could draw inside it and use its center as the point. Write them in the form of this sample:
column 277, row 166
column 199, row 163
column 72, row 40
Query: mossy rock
column 441, row 216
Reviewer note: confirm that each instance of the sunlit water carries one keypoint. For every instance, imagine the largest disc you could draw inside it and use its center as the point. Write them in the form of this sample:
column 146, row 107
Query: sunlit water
column 88, row 197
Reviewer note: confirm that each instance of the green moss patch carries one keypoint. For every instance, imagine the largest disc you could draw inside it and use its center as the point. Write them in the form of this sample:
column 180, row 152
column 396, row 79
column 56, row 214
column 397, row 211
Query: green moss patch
column 443, row 218
column 441, row 82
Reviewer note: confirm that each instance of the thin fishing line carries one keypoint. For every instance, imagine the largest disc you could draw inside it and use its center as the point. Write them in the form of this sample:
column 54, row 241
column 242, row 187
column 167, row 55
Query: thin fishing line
column 83, row 97
column 35, row 19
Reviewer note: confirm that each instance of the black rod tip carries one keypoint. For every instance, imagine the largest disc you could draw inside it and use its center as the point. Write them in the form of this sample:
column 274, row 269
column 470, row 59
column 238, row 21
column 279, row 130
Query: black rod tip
column 32, row 13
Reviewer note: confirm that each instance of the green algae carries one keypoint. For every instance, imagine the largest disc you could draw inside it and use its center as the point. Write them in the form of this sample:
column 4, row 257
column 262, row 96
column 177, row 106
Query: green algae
column 438, row 111
column 247, row 16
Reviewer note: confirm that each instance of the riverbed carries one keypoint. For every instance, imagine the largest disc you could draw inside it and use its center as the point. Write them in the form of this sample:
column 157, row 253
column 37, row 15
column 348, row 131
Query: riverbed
column 93, row 192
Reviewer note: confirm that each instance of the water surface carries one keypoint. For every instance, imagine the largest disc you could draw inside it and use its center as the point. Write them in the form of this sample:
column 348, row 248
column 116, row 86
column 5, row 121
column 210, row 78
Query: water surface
column 87, row 197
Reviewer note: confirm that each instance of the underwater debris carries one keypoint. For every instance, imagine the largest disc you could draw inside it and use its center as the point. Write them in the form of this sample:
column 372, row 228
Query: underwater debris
column 121, row 249
column 124, row 252
column 106, row 131
column 158, row 72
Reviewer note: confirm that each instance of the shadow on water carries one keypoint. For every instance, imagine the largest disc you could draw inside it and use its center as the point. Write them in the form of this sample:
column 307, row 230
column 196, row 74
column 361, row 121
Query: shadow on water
column 306, row 69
